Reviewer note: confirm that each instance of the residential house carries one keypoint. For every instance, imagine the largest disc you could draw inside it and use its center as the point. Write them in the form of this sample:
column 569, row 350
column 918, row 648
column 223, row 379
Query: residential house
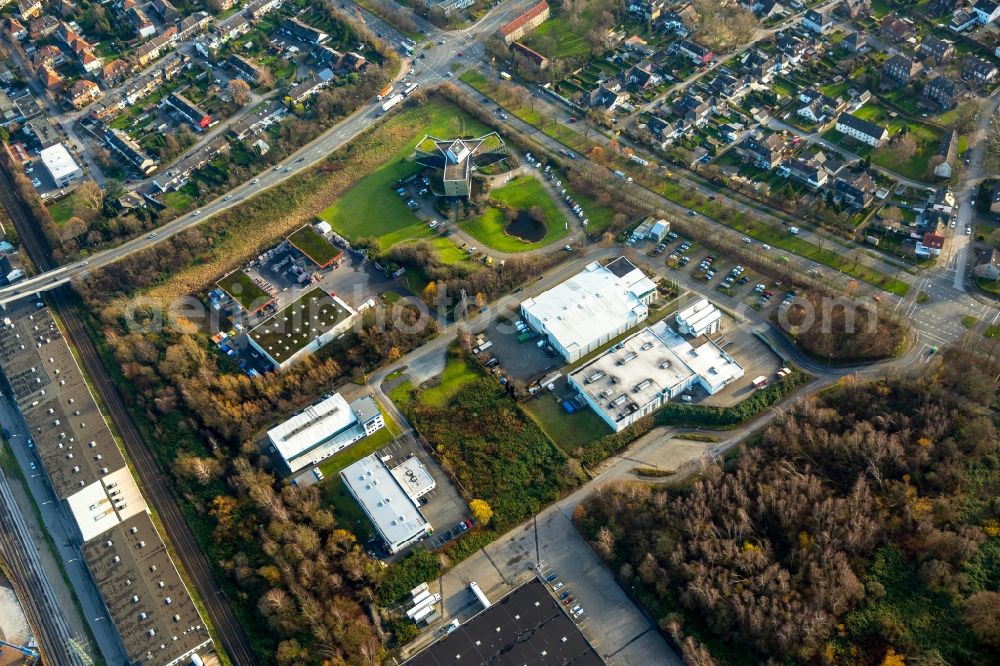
column 42, row 27
column 245, row 69
column 15, row 29
column 178, row 174
column 9, row 113
column 941, row 50
column 817, row 20
column 947, row 154
column 765, row 9
column 729, row 85
column 127, row 203
column 930, row 245
column 793, row 47
column 81, row 47
column 642, row 76
column 943, row 7
column 189, row 110
column 534, row 16
column 896, row 29
column 28, row 9
column 854, row 9
column 637, row 44
column 353, row 62
column 649, row 10
column 901, row 69
column 986, row 11
column 49, row 78
column 673, row 21
column 856, row 42
column 28, row 105
column 760, row 65
column 115, row 72
column 978, row 71
column 694, row 109
column 819, row 107
column 258, row 8
column 989, row 269
column 812, row 171
column 943, row 92
column 696, row 53
column 311, row 85
column 856, row 190
column 606, row 96
column 963, row 20
column 84, row 92
column 143, row 26
column 124, row 145
column 151, row 50
column 863, row 130
column 258, row 120
column 764, row 152
column 166, row 11
column 44, row 131
column 303, row 32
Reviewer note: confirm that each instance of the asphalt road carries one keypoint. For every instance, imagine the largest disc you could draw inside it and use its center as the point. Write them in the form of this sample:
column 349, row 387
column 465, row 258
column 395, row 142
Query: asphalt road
column 433, row 68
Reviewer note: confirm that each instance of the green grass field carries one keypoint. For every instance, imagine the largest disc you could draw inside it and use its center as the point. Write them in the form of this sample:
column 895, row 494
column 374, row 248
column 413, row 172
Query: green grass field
column 457, row 373
column 556, row 38
column 568, row 431
column 521, row 193
column 62, row 210
column 178, row 200
column 372, row 208
column 448, row 252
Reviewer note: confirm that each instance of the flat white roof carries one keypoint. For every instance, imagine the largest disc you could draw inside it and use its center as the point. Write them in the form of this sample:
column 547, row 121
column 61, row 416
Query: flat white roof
column 58, row 161
column 713, row 366
column 390, row 509
column 96, row 510
column 415, row 479
column 699, row 315
column 312, row 426
column 632, row 374
column 591, row 304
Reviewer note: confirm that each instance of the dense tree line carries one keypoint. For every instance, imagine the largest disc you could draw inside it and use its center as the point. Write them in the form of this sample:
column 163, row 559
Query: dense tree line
column 841, row 329
column 772, row 552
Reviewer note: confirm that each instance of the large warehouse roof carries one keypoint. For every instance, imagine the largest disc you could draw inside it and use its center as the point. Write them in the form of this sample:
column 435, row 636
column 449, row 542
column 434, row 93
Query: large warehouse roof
column 156, row 617
column 528, row 626
column 592, row 303
column 312, row 426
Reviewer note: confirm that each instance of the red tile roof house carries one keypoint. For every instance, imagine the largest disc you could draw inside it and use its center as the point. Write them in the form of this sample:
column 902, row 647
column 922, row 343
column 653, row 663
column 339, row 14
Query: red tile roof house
column 525, row 23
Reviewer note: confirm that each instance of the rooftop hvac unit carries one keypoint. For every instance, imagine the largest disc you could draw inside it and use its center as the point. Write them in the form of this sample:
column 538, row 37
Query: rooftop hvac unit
column 631, row 356
column 646, row 346
column 619, row 400
column 597, row 374
column 665, row 365
column 643, row 384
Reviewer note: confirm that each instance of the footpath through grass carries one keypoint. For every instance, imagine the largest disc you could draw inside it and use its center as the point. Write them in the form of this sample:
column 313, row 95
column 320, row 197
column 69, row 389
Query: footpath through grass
column 371, row 208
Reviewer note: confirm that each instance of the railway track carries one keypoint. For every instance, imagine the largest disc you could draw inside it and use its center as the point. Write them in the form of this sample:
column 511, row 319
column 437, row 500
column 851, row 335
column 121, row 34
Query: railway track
column 234, row 640
column 38, row 600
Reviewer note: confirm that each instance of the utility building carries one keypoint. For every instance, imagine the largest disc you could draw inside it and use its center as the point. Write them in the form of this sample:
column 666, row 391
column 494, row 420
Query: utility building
column 60, row 165
column 322, row 429
column 700, row 318
column 395, row 515
column 589, row 309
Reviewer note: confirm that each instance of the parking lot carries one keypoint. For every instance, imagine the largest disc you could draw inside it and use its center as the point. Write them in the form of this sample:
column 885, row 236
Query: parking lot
column 443, row 507
column 519, row 354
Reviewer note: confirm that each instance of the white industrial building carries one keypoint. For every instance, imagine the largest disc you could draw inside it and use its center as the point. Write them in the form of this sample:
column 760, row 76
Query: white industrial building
column 699, row 318
column 60, row 165
column 387, row 504
column 414, row 477
column 591, row 308
column 322, row 429
column 636, row 376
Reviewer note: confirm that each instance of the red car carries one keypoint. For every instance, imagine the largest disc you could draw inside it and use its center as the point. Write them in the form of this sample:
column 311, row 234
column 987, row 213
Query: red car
column 568, row 600
column 572, row 119
column 461, row 53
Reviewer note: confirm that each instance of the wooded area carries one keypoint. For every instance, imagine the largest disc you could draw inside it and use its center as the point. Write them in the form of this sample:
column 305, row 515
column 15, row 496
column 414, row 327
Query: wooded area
column 860, row 529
